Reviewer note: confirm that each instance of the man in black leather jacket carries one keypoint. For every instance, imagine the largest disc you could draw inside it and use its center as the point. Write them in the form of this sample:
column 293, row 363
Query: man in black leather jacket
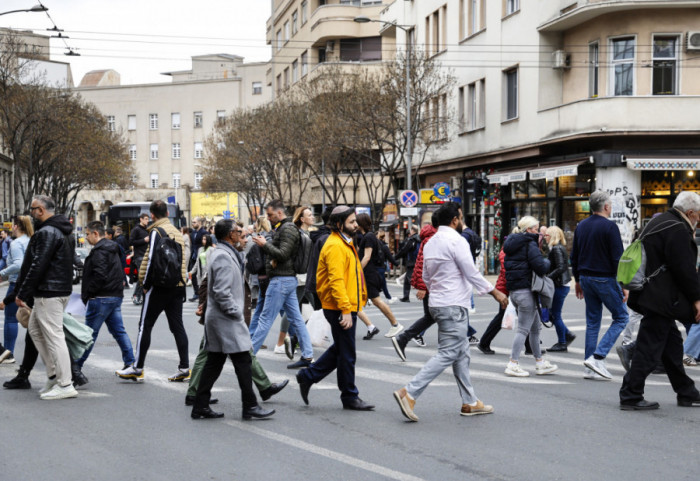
column 46, row 278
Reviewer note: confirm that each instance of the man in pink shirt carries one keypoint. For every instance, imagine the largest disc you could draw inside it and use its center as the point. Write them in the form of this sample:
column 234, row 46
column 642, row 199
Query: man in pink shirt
column 450, row 275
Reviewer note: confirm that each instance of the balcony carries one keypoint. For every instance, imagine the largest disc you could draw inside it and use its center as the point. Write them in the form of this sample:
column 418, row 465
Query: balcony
column 626, row 115
column 586, row 10
column 329, row 22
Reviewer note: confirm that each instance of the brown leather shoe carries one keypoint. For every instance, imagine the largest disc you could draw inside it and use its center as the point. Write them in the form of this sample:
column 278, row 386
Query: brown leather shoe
column 406, row 404
column 480, row 408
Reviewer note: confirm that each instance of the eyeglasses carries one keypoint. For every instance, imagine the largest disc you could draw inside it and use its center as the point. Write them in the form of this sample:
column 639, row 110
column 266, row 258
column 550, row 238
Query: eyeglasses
column 33, row 208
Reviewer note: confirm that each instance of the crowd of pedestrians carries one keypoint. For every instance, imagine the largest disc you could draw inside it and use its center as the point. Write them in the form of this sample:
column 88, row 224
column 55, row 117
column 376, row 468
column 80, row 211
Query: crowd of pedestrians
column 244, row 278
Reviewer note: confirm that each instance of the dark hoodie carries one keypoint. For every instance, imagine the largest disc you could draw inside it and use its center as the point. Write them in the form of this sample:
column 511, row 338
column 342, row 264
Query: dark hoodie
column 103, row 275
column 523, row 256
column 319, row 238
column 47, row 269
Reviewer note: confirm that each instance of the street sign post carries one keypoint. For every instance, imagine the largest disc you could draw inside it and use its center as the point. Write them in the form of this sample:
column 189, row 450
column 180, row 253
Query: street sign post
column 442, row 190
column 409, row 211
column 408, row 198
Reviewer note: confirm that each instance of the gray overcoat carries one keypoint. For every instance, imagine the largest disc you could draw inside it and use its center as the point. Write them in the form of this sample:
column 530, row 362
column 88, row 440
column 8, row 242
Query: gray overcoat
column 225, row 329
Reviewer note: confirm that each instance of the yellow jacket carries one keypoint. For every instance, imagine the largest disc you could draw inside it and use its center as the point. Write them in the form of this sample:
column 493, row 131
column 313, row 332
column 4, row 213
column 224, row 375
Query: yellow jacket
column 340, row 282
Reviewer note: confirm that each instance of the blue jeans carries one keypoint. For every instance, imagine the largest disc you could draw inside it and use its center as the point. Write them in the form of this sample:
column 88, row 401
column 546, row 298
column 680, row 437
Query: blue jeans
column 560, row 294
column 599, row 291
column 691, row 346
column 281, row 294
column 108, row 310
column 10, row 330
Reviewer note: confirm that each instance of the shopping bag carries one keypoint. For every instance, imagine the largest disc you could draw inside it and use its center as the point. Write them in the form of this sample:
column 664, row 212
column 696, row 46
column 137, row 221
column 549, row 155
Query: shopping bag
column 78, row 336
column 319, row 330
column 510, row 318
column 307, row 311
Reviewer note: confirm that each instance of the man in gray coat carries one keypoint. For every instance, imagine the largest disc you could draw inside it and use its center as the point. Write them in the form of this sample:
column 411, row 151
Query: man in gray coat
column 225, row 331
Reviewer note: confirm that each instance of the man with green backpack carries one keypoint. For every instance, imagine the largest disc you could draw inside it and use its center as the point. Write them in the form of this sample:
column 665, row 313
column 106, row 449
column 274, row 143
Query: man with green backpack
column 670, row 291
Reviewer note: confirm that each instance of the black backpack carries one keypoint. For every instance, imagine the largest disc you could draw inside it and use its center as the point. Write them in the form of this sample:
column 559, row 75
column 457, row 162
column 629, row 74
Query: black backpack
column 166, row 262
column 255, row 261
column 301, row 261
column 474, row 241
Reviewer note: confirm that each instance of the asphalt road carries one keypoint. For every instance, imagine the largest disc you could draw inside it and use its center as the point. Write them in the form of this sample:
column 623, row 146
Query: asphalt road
column 544, row 428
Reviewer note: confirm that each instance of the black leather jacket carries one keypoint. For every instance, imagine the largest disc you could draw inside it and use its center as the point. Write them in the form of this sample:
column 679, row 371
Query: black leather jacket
column 47, row 269
column 559, row 272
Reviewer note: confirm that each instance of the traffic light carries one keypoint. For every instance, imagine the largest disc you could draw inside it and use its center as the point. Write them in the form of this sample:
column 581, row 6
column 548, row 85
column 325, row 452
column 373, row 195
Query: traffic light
column 481, row 188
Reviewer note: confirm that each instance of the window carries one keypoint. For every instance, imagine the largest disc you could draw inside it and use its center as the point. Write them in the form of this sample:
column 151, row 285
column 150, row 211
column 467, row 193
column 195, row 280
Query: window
column 438, row 116
column 154, row 151
column 176, row 150
column 593, row 66
column 154, row 181
column 131, row 122
column 198, row 181
column 175, row 120
column 512, row 6
column 111, row 123
column 321, row 55
column 286, row 78
column 198, row 150
column 279, row 84
column 278, row 38
column 257, row 88
column 304, row 63
column 665, row 58
column 304, row 11
column 436, row 31
column 220, row 116
column 132, row 152
column 153, row 121
column 360, row 49
column 176, row 181
column 295, row 71
column 198, row 120
column 622, row 70
column 295, row 22
column 472, row 108
column 511, row 93
column 286, row 32
column 472, row 17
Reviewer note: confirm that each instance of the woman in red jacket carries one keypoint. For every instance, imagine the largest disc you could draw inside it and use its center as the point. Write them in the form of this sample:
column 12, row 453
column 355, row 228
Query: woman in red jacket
column 495, row 324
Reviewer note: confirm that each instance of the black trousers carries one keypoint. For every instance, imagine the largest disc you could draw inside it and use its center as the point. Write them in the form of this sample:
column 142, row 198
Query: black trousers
column 30, row 353
column 658, row 339
column 493, row 328
column 407, row 282
column 420, row 325
column 156, row 301
column 212, row 370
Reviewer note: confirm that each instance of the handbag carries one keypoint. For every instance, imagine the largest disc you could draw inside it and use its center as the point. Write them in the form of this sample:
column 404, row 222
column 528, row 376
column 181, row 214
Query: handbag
column 544, row 288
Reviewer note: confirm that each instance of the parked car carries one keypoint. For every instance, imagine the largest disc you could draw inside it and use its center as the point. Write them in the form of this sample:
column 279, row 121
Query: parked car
column 81, row 254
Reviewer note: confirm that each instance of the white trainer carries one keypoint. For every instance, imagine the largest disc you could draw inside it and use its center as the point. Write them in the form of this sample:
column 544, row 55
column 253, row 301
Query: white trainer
column 597, row 366
column 50, row 383
column 58, row 392
column 514, row 370
column 280, row 350
column 588, row 374
column 545, row 367
column 394, row 330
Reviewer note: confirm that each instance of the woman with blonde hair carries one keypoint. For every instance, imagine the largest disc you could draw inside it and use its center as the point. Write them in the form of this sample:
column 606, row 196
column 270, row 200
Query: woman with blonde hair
column 560, row 273
column 522, row 258
column 22, row 230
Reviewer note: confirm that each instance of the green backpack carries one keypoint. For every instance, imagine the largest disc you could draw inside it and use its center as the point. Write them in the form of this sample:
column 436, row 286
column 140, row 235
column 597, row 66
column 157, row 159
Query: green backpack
column 631, row 270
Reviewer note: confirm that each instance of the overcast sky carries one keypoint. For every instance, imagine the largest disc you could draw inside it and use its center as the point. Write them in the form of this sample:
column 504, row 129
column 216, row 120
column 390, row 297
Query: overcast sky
column 142, row 38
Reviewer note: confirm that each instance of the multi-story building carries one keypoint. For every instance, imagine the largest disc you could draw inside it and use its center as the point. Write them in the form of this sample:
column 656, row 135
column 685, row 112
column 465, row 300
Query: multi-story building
column 555, row 99
column 167, row 124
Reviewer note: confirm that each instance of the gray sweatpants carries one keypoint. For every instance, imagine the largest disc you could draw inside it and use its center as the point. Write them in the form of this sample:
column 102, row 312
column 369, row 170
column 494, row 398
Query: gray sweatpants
column 528, row 323
column 453, row 350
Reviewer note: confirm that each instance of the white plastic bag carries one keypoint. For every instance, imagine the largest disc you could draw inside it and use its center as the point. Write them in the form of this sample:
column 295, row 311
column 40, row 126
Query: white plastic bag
column 306, row 311
column 510, row 318
column 319, row 330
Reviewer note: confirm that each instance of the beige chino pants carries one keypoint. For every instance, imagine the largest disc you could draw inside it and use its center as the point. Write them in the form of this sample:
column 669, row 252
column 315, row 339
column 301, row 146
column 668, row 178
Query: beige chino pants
column 46, row 328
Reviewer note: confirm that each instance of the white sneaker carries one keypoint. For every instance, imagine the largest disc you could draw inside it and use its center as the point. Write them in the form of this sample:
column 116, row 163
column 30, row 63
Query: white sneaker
column 58, row 392
column 50, row 383
column 588, row 374
column 5, row 354
column 689, row 360
column 545, row 367
column 391, row 301
column 280, row 350
column 513, row 369
column 394, row 330
column 597, row 366
column 472, row 310
column 130, row 372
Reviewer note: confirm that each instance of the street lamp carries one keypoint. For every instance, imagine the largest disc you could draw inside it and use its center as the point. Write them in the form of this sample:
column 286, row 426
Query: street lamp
column 409, row 155
column 35, row 8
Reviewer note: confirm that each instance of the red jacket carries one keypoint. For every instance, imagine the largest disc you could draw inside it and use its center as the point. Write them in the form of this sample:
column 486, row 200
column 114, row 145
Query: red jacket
column 501, row 282
column 417, row 279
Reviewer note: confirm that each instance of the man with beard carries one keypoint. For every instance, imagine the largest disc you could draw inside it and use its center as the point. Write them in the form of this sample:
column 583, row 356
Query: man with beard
column 342, row 292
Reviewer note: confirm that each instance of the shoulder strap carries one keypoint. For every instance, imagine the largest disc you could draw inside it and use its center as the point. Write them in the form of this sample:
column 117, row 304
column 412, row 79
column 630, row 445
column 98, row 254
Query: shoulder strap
column 661, row 227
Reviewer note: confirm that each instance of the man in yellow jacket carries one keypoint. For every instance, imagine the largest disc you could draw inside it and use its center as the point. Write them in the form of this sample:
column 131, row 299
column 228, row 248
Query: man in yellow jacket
column 341, row 288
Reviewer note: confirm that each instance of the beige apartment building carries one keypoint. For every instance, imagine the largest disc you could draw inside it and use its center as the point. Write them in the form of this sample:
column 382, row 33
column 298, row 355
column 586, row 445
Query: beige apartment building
column 167, row 124
column 557, row 98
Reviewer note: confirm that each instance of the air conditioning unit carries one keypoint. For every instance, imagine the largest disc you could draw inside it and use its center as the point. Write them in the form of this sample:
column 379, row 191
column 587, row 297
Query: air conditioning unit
column 561, row 59
column 329, row 46
column 455, row 183
column 692, row 41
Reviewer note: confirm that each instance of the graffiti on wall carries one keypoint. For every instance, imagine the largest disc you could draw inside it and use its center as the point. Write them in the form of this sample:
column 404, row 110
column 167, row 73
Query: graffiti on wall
column 625, row 212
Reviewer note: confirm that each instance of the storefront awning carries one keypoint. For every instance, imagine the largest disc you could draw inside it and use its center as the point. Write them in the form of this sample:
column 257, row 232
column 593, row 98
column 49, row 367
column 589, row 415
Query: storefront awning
column 550, row 172
column 388, row 224
column 647, row 163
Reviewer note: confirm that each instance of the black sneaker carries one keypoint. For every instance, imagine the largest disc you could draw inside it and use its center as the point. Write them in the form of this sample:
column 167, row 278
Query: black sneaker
column 473, row 340
column 400, row 347
column 300, row 364
column 558, row 347
column 485, row 350
column 570, row 336
column 20, row 381
column 371, row 334
column 418, row 339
